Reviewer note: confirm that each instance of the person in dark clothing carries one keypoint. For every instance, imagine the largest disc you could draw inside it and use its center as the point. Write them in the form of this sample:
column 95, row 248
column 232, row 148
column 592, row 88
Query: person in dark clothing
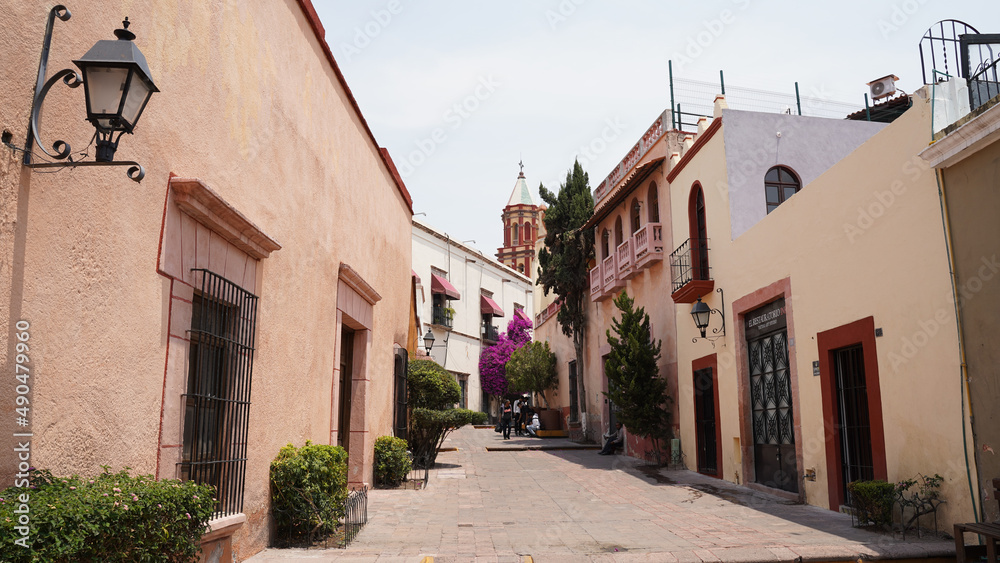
column 526, row 412
column 506, row 412
column 614, row 439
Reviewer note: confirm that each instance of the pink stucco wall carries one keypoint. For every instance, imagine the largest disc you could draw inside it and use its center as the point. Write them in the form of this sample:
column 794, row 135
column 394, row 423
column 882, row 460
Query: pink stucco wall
column 251, row 106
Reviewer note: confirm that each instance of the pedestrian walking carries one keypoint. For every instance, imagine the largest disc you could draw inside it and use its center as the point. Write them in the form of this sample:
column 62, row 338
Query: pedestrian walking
column 517, row 417
column 505, row 418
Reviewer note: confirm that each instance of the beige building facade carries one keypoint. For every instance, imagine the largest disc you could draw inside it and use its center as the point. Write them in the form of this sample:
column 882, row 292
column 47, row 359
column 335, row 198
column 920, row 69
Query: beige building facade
column 816, row 247
column 243, row 280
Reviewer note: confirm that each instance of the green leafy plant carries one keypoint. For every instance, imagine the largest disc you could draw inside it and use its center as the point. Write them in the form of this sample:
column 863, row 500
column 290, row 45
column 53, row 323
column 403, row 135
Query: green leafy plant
column 533, row 368
column 392, row 461
column 433, row 393
column 449, row 313
column 871, row 502
column 308, row 490
column 923, row 500
column 634, row 384
column 111, row 517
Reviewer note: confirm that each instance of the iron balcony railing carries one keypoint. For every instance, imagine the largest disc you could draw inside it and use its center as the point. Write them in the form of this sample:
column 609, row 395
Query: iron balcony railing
column 441, row 317
column 490, row 332
column 689, row 262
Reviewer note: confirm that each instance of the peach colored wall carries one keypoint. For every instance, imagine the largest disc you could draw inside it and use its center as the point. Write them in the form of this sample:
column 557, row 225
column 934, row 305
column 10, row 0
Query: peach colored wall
column 864, row 239
column 249, row 105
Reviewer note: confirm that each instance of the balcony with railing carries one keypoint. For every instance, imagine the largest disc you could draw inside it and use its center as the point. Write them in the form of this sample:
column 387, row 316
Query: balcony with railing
column 596, row 283
column 648, row 245
column 442, row 316
column 612, row 283
column 690, row 274
column 625, row 260
column 490, row 332
column 637, row 253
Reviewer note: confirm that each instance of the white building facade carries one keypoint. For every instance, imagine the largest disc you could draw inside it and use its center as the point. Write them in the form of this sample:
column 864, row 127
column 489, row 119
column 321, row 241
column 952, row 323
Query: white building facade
column 465, row 299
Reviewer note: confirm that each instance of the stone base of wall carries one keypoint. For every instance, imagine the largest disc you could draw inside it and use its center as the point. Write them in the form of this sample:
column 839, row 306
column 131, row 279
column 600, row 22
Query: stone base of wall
column 217, row 544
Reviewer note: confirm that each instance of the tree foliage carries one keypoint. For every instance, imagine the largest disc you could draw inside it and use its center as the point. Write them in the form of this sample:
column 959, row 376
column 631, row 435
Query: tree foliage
column 564, row 263
column 493, row 360
column 533, row 368
column 634, row 384
column 433, row 393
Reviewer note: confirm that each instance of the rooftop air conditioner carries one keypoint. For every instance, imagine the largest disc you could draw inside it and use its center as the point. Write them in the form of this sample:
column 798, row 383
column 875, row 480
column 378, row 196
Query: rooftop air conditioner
column 883, row 87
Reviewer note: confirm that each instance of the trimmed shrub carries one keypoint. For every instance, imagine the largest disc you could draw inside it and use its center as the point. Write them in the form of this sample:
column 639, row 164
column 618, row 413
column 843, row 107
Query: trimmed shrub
column 392, row 461
column 308, row 490
column 431, row 386
column 872, row 502
column 112, row 517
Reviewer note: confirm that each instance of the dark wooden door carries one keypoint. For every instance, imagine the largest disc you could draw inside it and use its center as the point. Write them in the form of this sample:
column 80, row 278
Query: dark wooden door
column 705, row 423
column 853, row 423
column 346, row 364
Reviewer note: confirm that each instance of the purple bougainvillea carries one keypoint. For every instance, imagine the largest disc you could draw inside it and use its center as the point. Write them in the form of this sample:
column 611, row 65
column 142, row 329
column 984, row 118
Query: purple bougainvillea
column 493, row 361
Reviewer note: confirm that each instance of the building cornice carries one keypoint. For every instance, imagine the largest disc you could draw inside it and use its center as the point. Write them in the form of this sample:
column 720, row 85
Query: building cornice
column 698, row 143
column 201, row 203
column 966, row 140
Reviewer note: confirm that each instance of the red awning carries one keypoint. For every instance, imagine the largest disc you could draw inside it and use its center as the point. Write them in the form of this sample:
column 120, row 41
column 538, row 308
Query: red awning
column 522, row 314
column 489, row 306
column 441, row 285
column 415, row 276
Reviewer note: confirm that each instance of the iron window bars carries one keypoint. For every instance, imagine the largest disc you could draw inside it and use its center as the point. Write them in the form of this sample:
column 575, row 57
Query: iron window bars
column 217, row 401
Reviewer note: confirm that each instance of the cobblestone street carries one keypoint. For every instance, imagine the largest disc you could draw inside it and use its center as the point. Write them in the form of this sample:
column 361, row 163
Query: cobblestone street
column 569, row 505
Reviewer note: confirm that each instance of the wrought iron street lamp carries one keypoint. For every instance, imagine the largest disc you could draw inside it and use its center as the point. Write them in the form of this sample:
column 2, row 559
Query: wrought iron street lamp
column 117, row 84
column 429, row 341
column 702, row 313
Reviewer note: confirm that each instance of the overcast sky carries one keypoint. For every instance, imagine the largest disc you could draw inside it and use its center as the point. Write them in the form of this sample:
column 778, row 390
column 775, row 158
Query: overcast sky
column 460, row 91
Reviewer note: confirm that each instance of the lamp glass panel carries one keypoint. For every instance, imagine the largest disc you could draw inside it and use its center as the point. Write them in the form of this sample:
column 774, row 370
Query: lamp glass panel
column 701, row 318
column 104, row 87
column 138, row 92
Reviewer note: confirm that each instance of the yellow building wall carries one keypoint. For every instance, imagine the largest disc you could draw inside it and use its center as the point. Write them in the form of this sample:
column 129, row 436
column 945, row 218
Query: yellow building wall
column 864, row 239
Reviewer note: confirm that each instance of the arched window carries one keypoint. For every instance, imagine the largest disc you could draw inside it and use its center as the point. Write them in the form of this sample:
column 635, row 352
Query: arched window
column 653, row 204
column 635, row 215
column 698, row 229
column 527, row 233
column 520, row 268
column 513, row 237
column 618, row 231
column 605, row 237
column 780, row 183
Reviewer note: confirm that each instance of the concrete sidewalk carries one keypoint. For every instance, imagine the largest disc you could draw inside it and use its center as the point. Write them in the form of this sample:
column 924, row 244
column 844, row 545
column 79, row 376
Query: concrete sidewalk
column 570, row 505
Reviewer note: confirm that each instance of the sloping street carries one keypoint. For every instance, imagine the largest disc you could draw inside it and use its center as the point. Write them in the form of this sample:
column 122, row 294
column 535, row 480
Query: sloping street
column 496, row 500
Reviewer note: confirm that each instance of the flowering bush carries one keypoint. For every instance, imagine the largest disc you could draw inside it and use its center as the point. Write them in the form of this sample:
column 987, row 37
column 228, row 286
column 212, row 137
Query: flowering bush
column 112, row 517
column 493, row 361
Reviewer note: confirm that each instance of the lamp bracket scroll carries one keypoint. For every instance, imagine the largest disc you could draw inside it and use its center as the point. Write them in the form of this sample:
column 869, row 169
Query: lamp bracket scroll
column 702, row 315
column 138, row 81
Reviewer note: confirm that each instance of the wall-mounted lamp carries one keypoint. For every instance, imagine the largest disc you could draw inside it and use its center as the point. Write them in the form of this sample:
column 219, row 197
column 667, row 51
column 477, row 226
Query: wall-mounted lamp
column 429, row 341
column 701, row 313
column 117, row 85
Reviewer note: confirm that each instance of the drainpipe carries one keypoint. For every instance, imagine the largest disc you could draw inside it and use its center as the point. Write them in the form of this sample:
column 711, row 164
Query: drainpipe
column 964, row 368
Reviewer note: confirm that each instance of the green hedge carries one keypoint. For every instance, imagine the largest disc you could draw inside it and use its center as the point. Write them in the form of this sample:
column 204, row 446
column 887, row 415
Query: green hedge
column 308, row 490
column 392, row 461
column 111, row 517
column 872, row 502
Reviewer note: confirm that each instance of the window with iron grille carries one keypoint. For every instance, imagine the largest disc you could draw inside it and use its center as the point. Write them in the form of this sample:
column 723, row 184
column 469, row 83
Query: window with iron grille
column 217, row 401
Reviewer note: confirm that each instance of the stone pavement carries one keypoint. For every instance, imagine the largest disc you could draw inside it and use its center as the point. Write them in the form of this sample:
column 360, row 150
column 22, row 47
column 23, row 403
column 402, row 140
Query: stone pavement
column 571, row 505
